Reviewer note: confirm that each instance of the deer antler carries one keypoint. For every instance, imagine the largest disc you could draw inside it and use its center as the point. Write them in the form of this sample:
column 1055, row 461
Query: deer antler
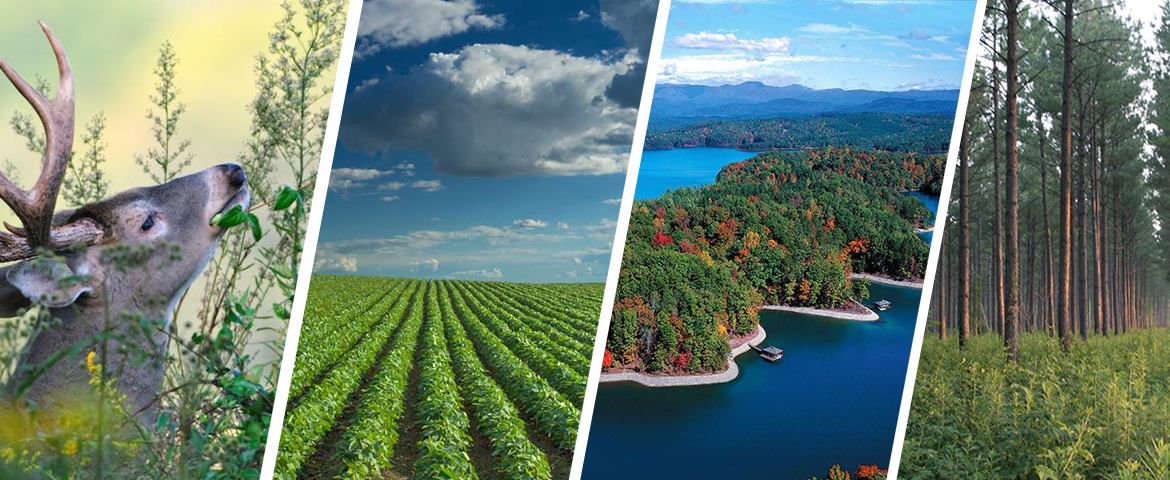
column 34, row 207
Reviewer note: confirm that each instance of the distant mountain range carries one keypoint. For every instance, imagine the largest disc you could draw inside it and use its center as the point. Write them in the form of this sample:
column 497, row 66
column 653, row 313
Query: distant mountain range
column 757, row 100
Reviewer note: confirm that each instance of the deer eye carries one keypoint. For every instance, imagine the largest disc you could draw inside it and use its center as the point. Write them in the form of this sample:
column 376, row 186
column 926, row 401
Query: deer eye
column 146, row 225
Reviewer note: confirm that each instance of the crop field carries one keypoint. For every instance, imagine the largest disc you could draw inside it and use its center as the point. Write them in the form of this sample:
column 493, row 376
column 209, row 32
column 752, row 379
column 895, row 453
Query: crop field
column 404, row 378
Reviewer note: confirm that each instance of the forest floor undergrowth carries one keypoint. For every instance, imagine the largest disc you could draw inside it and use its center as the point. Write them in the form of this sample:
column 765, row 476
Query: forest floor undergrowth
column 1102, row 411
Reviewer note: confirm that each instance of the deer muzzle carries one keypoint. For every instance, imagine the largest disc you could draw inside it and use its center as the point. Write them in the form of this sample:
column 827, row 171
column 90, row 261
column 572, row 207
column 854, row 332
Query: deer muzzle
column 237, row 182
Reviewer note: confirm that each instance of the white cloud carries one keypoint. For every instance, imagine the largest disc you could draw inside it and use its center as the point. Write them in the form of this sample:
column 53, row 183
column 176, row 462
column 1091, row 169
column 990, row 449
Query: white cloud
column 581, row 16
column 401, row 23
column 605, row 229
column 431, row 264
column 728, row 41
column 733, row 68
column 562, row 225
column 529, row 223
column 428, row 185
column 405, row 169
column 612, row 201
column 829, row 29
column 719, row 2
column 517, row 111
column 389, row 198
column 901, row 44
column 494, row 273
column 926, row 85
column 634, row 20
column 426, row 239
column 343, row 263
column 356, row 173
column 935, row 56
column 345, row 178
column 480, row 249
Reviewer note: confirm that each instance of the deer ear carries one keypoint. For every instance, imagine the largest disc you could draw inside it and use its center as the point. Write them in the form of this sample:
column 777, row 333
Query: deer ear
column 48, row 281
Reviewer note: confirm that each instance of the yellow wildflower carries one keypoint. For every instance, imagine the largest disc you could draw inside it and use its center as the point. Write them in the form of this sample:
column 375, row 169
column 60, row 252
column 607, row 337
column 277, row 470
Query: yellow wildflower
column 92, row 367
column 70, row 447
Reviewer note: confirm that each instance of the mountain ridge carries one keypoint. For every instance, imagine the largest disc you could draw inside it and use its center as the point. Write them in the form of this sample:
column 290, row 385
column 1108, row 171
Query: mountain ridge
column 756, row 99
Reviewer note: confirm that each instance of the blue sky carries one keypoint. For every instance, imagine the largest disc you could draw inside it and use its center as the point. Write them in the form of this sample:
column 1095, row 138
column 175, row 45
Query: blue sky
column 485, row 139
column 867, row 44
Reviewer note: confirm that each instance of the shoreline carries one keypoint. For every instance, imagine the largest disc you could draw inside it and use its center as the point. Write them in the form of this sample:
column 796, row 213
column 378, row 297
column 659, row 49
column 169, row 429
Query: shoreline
column 749, row 150
column 732, row 370
column 924, row 230
column 888, row 281
column 867, row 316
column 725, row 376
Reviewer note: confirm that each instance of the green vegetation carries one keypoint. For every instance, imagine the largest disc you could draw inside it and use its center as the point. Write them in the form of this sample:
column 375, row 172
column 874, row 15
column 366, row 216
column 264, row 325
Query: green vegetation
column 881, row 131
column 863, row 472
column 438, row 379
column 225, row 341
column 1055, row 279
column 780, row 228
column 1103, row 411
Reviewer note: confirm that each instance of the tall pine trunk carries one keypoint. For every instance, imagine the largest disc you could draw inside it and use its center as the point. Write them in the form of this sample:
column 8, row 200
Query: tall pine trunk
column 1049, row 280
column 942, row 291
column 1099, row 287
column 1082, row 273
column 997, row 314
column 1063, row 283
column 964, row 312
column 1011, row 277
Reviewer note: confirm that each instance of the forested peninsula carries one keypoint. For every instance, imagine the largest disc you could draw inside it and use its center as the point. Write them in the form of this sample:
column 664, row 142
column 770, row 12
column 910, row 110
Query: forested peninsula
column 881, row 131
column 781, row 228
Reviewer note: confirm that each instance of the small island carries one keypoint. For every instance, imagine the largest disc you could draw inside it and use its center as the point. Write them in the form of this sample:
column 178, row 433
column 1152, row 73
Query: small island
column 803, row 231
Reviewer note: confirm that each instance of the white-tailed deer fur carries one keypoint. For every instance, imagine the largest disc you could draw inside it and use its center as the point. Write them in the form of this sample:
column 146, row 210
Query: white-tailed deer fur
column 90, row 287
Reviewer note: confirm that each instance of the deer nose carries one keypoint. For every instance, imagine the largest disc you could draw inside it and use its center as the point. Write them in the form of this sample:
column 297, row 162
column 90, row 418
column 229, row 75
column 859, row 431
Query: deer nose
column 235, row 174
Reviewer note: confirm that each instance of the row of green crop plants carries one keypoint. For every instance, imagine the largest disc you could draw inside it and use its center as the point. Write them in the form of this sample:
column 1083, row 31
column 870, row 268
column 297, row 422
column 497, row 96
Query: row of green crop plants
column 493, row 360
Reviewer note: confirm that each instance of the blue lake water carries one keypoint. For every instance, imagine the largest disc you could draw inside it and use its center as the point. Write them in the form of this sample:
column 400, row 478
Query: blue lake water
column 931, row 201
column 833, row 399
column 662, row 170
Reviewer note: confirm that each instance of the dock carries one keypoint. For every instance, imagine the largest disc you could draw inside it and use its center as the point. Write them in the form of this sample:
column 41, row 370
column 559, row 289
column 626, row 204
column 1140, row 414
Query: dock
column 882, row 305
column 769, row 353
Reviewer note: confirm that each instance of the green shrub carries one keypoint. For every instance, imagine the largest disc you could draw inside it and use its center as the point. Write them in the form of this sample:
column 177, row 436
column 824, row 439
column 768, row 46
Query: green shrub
column 1101, row 411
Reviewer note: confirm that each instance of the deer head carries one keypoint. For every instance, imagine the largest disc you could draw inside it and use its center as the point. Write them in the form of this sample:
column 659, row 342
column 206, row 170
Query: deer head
column 85, row 281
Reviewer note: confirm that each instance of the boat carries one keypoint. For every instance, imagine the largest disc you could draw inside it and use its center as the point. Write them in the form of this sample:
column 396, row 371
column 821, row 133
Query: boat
column 882, row 305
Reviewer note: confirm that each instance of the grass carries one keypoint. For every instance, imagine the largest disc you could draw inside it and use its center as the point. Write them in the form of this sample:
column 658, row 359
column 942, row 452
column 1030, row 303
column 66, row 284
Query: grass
column 1100, row 412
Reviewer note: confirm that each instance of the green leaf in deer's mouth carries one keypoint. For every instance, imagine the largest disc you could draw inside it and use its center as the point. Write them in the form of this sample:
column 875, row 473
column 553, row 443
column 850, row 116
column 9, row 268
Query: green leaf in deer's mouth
column 230, row 218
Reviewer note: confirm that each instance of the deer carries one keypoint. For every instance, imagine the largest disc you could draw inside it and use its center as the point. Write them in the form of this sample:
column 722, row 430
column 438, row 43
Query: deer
column 66, row 262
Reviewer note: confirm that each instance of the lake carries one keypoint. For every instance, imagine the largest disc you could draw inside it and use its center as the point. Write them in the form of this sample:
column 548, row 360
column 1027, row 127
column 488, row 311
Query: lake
column 833, row 399
column 662, row 170
column 931, row 202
